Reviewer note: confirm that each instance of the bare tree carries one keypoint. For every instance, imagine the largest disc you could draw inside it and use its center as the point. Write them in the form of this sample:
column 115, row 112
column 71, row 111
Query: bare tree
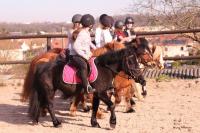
column 179, row 14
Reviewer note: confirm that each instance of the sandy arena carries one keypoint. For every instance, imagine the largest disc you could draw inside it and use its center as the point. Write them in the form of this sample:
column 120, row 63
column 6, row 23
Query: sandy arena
column 170, row 107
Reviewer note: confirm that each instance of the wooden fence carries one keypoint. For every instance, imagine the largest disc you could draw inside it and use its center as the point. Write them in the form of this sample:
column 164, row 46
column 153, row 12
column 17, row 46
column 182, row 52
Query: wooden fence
column 50, row 36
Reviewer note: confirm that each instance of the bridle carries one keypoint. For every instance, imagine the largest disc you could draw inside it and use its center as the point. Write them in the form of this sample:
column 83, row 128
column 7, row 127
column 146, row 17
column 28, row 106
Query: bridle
column 131, row 68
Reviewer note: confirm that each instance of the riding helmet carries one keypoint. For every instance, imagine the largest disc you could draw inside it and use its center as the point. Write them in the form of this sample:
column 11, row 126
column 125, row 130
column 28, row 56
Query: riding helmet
column 76, row 18
column 101, row 17
column 119, row 24
column 87, row 20
column 106, row 21
column 129, row 20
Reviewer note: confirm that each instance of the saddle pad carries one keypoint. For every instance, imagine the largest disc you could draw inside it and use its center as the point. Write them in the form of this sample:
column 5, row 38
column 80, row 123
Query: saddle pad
column 70, row 77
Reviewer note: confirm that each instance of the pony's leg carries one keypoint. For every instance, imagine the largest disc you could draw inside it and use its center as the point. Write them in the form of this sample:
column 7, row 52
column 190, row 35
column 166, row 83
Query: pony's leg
column 128, row 98
column 129, row 93
column 55, row 121
column 99, row 114
column 85, row 107
column 138, row 91
column 104, row 97
column 49, row 98
column 73, row 107
column 75, row 102
column 118, row 97
column 95, row 106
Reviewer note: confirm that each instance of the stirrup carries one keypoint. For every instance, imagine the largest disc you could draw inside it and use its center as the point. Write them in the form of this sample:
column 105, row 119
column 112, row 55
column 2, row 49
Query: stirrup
column 90, row 89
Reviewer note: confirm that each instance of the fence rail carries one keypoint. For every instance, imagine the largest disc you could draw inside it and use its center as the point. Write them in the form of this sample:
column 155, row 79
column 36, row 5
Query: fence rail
column 49, row 36
column 5, row 37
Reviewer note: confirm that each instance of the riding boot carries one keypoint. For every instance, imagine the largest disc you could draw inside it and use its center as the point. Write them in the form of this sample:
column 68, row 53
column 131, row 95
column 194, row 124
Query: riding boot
column 86, row 85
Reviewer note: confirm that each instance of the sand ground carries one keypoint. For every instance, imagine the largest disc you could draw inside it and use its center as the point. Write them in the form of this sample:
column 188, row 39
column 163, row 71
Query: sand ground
column 170, row 107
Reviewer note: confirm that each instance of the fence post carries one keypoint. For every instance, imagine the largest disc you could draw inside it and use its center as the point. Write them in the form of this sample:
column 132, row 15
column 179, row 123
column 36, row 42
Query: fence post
column 48, row 43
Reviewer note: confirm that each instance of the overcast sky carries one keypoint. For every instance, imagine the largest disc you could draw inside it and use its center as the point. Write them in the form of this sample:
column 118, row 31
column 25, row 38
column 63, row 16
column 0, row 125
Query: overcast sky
column 57, row 10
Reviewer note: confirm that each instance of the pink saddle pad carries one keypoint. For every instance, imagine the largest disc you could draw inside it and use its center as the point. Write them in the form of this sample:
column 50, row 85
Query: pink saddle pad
column 70, row 77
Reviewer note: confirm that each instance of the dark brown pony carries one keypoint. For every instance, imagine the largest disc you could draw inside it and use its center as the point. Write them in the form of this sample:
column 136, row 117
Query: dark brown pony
column 112, row 46
column 124, row 87
column 45, row 57
column 48, row 79
column 51, row 56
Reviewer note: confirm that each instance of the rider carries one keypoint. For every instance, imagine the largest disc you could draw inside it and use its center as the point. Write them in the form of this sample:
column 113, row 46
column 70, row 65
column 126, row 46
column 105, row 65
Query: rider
column 82, row 51
column 76, row 20
column 129, row 22
column 103, row 34
column 129, row 31
column 121, row 34
column 119, row 31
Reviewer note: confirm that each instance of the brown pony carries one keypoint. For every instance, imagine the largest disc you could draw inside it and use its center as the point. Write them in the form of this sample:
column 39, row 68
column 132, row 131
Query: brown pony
column 50, row 56
column 124, row 87
column 129, row 88
column 112, row 46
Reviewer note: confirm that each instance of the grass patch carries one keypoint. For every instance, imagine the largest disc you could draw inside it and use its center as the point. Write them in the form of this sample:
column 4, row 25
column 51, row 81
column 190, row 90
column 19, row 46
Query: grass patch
column 162, row 78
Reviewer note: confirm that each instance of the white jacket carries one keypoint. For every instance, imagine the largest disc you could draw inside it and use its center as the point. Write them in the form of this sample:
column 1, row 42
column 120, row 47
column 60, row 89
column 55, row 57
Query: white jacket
column 83, row 44
column 102, row 36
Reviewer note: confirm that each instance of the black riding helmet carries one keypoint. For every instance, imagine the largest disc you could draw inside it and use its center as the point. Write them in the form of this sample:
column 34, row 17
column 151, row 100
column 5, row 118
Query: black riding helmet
column 129, row 20
column 119, row 24
column 106, row 21
column 87, row 20
column 101, row 17
column 76, row 18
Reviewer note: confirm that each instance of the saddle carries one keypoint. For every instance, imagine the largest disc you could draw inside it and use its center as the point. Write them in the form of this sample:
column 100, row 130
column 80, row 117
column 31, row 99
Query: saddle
column 70, row 75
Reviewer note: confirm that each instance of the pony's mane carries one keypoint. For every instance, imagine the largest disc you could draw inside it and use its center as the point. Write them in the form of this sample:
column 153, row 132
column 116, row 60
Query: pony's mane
column 112, row 57
column 107, row 47
column 144, row 42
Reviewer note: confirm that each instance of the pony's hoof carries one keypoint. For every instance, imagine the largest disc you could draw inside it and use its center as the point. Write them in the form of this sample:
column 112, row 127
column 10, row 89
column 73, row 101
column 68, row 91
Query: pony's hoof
column 113, row 122
column 131, row 110
column 144, row 94
column 112, row 125
column 57, row 123
column 34, row 122
column 86, row 109
column 96, row 125
column 132, row 102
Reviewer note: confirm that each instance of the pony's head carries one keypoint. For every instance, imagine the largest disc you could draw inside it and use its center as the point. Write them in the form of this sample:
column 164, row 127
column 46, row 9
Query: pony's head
column 144, row 52
column 158, row 56
column 130, row 63
column 147, row 56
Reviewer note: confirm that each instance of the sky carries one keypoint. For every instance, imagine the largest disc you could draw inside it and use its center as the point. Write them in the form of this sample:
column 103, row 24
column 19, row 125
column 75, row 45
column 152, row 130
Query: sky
column 26, row 11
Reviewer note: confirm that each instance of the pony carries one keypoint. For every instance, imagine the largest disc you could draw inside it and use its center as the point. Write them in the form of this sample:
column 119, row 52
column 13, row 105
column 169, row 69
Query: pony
column 48, row 79
column 123, row 86
column 122, row 83
column 129, row 88
column 42, row 58
column 51, row 55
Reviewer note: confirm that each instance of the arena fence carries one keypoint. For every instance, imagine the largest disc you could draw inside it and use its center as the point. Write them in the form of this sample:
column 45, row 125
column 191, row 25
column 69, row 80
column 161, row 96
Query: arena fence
column 50, row 36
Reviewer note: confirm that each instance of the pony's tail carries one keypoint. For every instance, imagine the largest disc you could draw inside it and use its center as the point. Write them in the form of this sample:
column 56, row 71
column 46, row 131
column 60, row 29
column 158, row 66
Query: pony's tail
column 28, row 84
column 34, row 106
